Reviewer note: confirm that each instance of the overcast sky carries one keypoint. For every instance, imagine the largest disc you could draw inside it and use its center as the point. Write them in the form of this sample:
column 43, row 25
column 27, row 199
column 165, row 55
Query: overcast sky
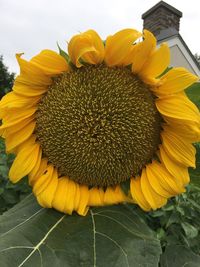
column 32, row 25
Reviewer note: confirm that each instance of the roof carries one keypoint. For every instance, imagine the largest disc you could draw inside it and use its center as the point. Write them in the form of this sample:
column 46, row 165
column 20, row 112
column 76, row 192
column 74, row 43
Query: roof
column 162, row 4
column 171, row 33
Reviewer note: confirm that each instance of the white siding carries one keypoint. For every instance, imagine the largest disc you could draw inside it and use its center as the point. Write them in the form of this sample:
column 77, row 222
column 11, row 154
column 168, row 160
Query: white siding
column 180, row 56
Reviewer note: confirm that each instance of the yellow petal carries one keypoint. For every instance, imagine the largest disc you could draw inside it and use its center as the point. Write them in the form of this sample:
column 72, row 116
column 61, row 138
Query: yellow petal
column 70, row 197
column 120, row 195
column 96, row 197
column 137, row 194
column 128, row 59
column 42, row 182
column 60, row 195
column 189, row 131
column 176, row 170
column 95, row 57
column 50, row 62
column 178, row 148
column 174, row 81
column 16, row 116
column 156, row 63
column 32, row 174
column 143, row 51
column 87, row 46
column 18, row 126
column 114, row 195
column 13, row 100
column 162, row 181
column 155, row 200
column 30, row 74
column 179, row 108
column 25, row 160
column 38, row 171
column 45, row 198
column 188, row 102
column 2, row 133
column 110, row 197
column 19, row 137
column 29, row 91
column 77, row 197
column 84, row 198
column 119, row 46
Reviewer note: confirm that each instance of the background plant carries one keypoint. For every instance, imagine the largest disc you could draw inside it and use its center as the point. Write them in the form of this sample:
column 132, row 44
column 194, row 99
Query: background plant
column 6, row 78
column 10, row 194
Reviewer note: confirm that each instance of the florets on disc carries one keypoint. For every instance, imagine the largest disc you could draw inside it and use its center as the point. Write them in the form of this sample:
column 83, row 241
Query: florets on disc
column 98, row 125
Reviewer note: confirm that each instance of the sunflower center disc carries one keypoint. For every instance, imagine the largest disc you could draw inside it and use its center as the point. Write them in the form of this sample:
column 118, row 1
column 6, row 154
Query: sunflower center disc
column 99, row 126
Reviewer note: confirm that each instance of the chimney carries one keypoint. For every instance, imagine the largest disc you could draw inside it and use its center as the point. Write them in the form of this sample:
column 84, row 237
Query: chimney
column 161, row 17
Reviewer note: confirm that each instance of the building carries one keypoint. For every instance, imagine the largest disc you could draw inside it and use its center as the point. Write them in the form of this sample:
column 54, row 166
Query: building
column 164, row 21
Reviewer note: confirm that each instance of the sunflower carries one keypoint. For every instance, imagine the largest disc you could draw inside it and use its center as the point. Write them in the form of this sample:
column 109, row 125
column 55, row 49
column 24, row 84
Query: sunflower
column 107, row 123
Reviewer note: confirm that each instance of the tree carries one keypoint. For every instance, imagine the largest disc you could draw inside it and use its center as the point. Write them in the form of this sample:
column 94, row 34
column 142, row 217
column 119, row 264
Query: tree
column 6, row 78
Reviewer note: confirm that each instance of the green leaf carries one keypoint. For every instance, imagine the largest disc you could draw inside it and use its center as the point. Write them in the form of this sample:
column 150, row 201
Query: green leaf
column 179, row 256
column 193, row 93
column 10, row 197
column 4, row 171
column 31, row 236
column 1, row 190
column 63, row 53
column 195, row 173
column 190, row 230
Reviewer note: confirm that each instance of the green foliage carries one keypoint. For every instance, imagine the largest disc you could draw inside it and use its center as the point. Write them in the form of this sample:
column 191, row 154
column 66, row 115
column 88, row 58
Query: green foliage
column 178, row 222
column 193, row 93
column 195, row 173
column 10, row 194
column 63, row 53
column 179, row 256
column 6, row 78
column 108, row 236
